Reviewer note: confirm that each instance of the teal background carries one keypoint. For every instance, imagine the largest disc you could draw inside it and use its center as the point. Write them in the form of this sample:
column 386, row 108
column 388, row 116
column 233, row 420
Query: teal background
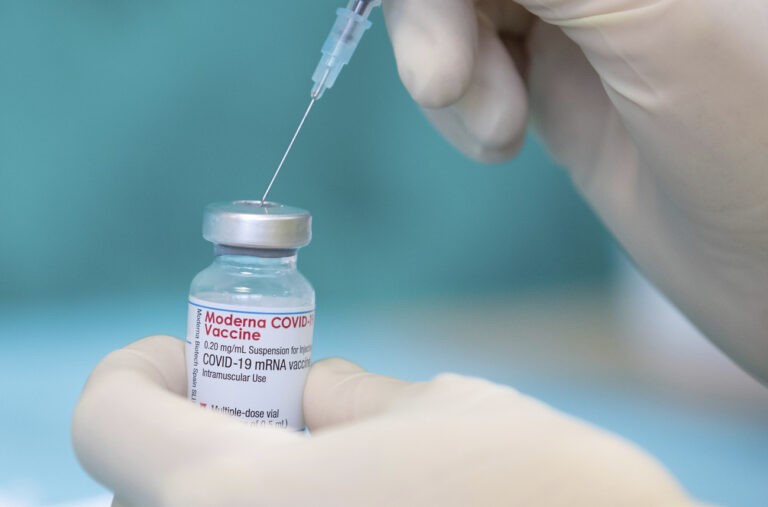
column 122, row 119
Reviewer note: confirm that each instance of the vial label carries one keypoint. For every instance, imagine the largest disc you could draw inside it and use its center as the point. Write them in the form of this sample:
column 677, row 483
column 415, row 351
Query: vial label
column 249, row 362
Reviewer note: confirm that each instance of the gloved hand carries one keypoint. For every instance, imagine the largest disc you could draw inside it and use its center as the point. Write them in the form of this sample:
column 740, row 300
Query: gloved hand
column 376, row 441
column 657, row 108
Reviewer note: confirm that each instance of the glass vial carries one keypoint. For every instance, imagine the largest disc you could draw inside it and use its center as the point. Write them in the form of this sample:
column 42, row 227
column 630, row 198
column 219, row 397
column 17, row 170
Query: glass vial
column 251, row 315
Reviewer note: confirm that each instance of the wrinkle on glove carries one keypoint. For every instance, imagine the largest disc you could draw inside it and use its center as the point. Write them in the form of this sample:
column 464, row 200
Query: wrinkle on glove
column 377, row 441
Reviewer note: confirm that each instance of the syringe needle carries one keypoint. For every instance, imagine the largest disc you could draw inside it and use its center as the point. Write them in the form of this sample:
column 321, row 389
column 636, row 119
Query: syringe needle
column 337, row 50
column 290, row 145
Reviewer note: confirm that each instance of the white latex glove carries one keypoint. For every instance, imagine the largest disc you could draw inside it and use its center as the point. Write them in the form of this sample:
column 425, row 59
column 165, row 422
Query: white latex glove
column 377, row 441
column 657, row 107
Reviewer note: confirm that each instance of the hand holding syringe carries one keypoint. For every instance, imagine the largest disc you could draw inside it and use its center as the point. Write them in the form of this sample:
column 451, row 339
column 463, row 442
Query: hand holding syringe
column 351, row 23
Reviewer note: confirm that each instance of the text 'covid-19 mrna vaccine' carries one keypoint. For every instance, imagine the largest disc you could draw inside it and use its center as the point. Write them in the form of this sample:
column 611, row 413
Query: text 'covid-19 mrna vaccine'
column 251, row 315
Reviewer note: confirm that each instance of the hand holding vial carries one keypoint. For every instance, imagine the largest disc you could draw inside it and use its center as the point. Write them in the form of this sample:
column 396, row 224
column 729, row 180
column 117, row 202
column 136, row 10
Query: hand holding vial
column 376, row 441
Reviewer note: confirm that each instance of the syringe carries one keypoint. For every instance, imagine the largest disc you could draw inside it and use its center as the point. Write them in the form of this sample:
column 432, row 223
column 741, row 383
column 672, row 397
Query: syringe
column 351, row 23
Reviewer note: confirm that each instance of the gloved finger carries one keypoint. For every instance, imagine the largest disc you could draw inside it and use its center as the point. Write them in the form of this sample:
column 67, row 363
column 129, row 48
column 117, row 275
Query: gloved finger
column 132, row 428
column 434, row 43
column 339, row 391
column 488, row 122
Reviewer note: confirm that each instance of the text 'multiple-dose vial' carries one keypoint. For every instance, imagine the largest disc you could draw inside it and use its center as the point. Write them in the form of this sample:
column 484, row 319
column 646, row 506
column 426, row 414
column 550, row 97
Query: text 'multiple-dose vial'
column 251, row 315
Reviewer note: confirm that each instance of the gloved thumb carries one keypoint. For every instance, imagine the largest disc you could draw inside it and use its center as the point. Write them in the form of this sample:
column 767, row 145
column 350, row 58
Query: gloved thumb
column 460, row 72
column 338, row 391
column 434, row 43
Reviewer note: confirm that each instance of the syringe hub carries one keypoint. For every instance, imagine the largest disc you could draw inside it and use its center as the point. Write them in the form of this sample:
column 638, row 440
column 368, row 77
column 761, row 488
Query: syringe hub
column 340, row 46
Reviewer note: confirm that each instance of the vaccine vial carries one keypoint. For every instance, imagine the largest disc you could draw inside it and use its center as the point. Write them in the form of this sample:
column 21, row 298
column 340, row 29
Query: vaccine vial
column 251, row 315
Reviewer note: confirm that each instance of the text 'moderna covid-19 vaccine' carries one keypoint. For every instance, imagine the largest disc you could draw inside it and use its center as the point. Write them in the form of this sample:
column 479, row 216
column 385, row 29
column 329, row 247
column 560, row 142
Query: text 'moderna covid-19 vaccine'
column 251, row 315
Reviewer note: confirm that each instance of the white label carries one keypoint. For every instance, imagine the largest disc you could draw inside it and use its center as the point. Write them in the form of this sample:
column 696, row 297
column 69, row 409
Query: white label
column 249, row 362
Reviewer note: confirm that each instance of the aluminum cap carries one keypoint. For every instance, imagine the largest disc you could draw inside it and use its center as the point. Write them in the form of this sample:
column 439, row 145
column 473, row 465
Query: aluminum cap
column 249, row 224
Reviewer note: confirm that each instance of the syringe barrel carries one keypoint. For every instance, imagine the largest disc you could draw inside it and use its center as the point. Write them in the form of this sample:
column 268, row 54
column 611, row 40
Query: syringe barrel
column 338, row 49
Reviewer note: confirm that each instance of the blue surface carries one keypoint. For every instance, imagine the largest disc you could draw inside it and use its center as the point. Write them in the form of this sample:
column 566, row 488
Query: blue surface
column 50, row 346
